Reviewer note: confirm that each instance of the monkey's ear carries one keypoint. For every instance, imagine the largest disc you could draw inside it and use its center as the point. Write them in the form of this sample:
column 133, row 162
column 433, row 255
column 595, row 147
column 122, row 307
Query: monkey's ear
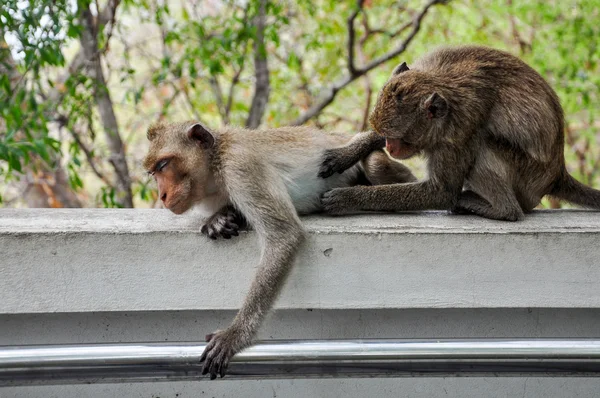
column 400, row 68
column 436, row 106
column 201, row 135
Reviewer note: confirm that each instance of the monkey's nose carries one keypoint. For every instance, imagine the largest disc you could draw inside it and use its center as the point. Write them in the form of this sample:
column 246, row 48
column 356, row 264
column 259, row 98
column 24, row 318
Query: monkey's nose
column 163, row 196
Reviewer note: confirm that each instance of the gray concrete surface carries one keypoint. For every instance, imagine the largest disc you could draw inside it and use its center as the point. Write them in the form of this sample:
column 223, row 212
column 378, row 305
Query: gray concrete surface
column 83, row 276
column 120, row 260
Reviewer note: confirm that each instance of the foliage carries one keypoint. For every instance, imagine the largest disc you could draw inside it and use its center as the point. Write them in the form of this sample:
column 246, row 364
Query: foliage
column 179, row 60
column 38, row 29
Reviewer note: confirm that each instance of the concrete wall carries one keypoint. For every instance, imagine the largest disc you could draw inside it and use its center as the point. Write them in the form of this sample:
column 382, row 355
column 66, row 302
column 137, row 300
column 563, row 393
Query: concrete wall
column 83, row 276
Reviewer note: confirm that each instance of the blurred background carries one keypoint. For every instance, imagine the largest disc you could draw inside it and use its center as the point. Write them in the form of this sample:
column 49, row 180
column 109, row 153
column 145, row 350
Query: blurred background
column 80, row 80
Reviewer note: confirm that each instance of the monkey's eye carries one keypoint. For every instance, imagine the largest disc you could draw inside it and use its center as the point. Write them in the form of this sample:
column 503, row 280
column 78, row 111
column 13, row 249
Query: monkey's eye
column 399, row 97
column 160, row 165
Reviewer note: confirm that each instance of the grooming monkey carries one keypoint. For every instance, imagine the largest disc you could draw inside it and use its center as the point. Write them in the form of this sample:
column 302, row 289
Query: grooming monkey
column 265, row 177
column 490, row 127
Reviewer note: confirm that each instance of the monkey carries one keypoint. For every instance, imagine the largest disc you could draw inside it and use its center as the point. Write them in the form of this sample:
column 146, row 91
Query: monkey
column 490, row 127
column 265, row 177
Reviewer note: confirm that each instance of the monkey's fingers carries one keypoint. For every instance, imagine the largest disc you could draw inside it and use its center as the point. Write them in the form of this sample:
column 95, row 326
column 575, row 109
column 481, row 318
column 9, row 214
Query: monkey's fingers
column 215, row 366
column 209, row 231
column 230, row 229
column 213, row 233
column 338, row 201
column 208, row 365
column 224, row 367
column 336, row 161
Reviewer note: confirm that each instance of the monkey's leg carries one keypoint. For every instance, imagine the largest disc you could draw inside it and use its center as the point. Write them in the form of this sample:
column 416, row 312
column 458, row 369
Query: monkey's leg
column 471, row 203
column 338, row 160
column 268, row 208
column 225, row 223
column 381, row 170
column 489, row 194
column 490, row 197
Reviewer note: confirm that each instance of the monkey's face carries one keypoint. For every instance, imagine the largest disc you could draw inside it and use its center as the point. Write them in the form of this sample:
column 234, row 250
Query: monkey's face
column 409, row 113
column 178, row 160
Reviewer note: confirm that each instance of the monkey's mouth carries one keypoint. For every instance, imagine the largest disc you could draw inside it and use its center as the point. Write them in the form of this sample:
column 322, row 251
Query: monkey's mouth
column 399, row 149
column 178, row 207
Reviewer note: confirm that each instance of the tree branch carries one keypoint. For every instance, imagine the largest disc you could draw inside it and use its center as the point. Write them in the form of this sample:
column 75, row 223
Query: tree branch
column 341, row 83
column 262, row 84
column 351, row 36
column 216, row 88
column 186, row 94
column 234, row 82
column 89, row 156
column 107, row 17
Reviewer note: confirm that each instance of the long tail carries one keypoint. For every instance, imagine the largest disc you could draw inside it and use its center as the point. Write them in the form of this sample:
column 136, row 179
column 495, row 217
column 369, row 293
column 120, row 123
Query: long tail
column 571, row 190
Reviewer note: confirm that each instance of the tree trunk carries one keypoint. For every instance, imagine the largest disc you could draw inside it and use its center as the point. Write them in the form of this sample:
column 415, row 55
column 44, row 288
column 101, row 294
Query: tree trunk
column 89, row 44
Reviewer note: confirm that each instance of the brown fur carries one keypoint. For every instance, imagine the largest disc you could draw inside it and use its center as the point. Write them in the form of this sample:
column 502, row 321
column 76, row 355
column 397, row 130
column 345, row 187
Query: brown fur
column 490, row 126
column 265, row 177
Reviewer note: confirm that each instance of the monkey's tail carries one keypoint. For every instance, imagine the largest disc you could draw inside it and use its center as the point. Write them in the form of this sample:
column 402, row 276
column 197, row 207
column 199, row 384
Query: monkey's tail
column 571, row 190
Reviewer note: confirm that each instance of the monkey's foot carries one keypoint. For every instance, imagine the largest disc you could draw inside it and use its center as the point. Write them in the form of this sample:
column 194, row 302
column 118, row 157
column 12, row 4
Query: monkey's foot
column 340, row 201
column 225, row 224
column 336, row 160
column 222, row 346
column 460, row 210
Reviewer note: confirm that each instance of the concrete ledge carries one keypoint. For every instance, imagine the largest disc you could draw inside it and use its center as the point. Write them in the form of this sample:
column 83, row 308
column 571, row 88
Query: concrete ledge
column 147, row 260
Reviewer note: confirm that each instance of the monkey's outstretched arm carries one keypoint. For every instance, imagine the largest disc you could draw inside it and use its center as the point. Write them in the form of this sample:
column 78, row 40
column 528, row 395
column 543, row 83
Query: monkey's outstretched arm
column 441, row 191
column 270, row 211
column 395, row 197
column 342, row 158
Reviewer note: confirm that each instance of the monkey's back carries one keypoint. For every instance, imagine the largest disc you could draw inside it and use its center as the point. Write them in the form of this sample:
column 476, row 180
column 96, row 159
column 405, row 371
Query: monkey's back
column 520, row 106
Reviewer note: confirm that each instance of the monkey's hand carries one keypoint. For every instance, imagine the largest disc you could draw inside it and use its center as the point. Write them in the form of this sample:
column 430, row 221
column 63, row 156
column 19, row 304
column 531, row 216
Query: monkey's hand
column 222, row 346
column 337, row 160
column 225, row 223
column 341, row 200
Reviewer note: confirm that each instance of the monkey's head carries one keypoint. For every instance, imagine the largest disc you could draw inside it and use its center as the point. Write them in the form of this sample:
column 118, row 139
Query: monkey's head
column 409, row 112
column 178, row 159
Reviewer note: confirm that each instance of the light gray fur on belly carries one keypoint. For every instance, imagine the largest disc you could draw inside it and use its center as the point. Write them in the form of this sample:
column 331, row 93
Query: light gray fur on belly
column 306, row 187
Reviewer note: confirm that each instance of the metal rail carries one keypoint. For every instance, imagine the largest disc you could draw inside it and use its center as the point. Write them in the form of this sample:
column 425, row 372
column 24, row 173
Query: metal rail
column 104, row 363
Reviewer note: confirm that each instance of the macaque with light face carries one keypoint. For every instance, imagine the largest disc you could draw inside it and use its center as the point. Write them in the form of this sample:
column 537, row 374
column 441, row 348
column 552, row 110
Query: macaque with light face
column 264, row 177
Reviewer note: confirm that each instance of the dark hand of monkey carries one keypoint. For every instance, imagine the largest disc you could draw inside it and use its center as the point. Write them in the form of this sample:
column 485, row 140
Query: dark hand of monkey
column 222, row 346
column 225, row 223
column 337, row 160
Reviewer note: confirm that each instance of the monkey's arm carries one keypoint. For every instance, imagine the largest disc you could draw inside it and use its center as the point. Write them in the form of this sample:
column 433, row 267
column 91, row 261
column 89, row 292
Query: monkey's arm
column 225, row 223
column 441, row 191
column 267, row 206
column 395, row 197
column 341, row 159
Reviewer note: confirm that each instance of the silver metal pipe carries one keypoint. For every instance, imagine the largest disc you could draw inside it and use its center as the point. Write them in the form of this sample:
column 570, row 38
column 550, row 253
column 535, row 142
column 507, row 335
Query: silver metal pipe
column 104, row 363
